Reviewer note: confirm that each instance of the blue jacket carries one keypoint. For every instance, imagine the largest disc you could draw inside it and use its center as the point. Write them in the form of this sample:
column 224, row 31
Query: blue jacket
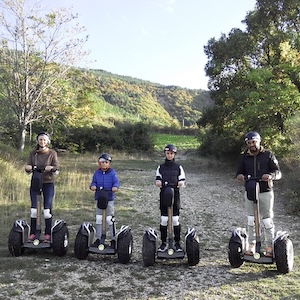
column 105, row 180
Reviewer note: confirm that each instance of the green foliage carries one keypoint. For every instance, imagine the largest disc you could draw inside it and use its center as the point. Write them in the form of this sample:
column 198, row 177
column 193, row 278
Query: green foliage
column 124, row 137
column 254, row 79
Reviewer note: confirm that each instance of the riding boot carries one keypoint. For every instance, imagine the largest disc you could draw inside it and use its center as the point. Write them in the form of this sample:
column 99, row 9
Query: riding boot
column 163, row 233
column 48, row 225
column 32, row 225
column 177, row 233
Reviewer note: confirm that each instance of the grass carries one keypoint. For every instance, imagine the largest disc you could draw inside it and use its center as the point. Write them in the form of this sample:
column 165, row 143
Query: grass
column 182, row 142
column 74, row 201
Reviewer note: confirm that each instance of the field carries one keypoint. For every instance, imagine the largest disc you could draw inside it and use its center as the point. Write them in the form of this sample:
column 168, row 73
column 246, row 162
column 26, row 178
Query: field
column 211, row 202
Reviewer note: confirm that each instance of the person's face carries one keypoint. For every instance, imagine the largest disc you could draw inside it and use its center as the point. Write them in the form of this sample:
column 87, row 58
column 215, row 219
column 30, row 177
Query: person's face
column 104, row 165
column 42, row 141
column 170, row 155
column 253, row 145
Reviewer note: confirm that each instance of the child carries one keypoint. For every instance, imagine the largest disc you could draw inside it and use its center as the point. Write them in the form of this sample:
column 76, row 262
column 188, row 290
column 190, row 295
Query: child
column 172, row 173
column 106, row 178
column 45, row 159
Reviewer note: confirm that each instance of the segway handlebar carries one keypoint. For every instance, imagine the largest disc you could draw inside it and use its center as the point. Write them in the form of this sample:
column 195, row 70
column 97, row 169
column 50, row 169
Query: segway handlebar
column 36, row 169
column 255, row 178
column 172, row 185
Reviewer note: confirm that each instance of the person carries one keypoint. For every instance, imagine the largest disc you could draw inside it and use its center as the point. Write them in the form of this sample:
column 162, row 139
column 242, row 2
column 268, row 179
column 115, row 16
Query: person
column 105, row 178
column 170, row 172
column 258, row 162
column 45, row 159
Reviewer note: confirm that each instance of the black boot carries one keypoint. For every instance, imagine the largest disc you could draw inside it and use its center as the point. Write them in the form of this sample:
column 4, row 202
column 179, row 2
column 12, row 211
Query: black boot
column 177, row 238
column 163, row 236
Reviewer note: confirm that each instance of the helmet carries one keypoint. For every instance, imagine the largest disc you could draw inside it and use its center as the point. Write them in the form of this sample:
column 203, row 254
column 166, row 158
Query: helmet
column 105, row 156
column 170, row 147
column 252, row 135
column 45, row 134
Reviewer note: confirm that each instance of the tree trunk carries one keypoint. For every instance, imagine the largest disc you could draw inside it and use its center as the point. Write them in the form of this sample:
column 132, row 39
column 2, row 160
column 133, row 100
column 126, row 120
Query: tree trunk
column 21, row 137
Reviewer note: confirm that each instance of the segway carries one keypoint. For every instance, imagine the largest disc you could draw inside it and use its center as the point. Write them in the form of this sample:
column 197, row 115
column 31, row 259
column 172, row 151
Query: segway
column 86, row 233
column 283, row 253
column 18, row 239
column 149, row 248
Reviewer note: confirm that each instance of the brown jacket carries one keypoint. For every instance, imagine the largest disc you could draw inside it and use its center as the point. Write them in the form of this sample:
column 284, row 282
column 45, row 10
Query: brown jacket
column 41, row 159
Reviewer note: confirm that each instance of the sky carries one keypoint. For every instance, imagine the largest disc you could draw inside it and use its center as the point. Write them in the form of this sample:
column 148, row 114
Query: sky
column 161, row 41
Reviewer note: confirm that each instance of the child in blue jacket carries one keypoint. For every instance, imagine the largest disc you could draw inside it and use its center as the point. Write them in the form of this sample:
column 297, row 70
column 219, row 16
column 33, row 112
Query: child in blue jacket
column 105, row 178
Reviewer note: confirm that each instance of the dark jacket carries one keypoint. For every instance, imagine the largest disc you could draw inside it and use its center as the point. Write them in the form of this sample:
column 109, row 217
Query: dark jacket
column 256, row 165
column 106, row 180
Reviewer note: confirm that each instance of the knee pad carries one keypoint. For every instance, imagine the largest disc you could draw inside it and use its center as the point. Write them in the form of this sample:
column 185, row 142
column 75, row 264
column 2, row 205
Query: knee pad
column 164, row 220
column 33, row 212
column 99, row 219
column 175, row 220
column 47, row 214
column 109, row 220
column 268, row 223
column 250, row 220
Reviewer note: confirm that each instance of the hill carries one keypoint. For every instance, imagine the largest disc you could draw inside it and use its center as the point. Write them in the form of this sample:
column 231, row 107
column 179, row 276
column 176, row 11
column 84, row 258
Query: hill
column 132, row 99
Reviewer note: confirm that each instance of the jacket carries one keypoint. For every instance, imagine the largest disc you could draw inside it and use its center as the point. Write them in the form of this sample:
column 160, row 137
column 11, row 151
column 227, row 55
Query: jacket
column 41, row 159
column 105, row 180
column 256, row 165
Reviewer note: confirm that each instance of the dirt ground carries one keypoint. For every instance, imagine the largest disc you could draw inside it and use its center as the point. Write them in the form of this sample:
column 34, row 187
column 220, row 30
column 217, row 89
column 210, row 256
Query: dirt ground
column 211, row 203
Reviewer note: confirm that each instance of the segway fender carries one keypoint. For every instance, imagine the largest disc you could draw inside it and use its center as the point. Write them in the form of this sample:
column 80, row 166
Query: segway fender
column 239, row 235
column 58, row 224
column 124, row 230
column 280, row 235
column 151, row 234
column 86, row 228
column 191, row 234
column 20, row 225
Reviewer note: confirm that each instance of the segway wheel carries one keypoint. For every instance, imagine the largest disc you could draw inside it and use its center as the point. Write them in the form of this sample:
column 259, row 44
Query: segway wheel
column 193, row 252
column 148, row 251
column 284, row 255
column 60, row 240
column 81, row 247
column 15, row 245
column 235, row 254
column 125, row 245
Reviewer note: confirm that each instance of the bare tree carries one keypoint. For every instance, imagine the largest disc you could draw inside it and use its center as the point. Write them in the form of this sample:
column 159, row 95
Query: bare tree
column 37, row 48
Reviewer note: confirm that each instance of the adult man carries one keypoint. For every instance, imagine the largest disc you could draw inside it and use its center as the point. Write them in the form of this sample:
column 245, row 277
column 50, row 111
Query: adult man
column 258, row 162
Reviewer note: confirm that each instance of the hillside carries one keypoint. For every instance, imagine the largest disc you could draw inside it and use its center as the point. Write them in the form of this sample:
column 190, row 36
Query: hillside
column 127, row 98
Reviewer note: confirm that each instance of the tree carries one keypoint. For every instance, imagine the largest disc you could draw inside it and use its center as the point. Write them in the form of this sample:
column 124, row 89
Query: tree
column 254, row 74
column 37, row 48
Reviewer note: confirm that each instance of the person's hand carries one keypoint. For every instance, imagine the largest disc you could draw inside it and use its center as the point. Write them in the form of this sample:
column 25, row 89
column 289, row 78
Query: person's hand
column 158, row 183
column 180, row 184
column 48, row 168
column 266, row 177
column 93, row 188
column 114, row 189
column 28, row 168
column 240, row 177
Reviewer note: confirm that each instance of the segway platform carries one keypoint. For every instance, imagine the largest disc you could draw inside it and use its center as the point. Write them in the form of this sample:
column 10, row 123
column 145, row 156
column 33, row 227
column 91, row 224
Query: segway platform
column 37, row 244
column 102, row 249
column 170, row 253
column 259, row 258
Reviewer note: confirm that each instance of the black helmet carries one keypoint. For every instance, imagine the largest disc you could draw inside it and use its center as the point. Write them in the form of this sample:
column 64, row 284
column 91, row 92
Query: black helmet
column 170, row 147
column 105, row 156
column 43, row 133
column 252, row 135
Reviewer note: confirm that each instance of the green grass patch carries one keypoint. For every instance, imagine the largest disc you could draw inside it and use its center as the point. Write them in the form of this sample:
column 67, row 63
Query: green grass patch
column 182, row 142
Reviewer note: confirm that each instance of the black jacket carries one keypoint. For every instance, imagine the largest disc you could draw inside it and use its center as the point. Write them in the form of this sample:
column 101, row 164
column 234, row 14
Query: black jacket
column 256, row 165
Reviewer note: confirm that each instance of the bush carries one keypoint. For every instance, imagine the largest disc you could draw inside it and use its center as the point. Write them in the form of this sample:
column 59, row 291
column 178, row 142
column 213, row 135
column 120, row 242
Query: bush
column 124, row 137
